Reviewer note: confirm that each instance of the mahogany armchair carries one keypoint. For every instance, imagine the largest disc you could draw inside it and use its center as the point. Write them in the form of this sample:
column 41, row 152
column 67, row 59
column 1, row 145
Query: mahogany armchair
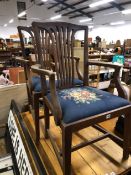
column 33, row 83
column 75, row 108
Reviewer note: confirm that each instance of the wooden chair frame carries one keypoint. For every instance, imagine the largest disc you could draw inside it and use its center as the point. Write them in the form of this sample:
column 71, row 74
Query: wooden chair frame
column 64, row 155
column 33, row 97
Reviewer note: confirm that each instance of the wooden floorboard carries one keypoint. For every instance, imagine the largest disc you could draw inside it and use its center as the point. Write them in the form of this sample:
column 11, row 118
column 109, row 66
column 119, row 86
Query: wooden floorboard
column 3, row 150
column 101, row 158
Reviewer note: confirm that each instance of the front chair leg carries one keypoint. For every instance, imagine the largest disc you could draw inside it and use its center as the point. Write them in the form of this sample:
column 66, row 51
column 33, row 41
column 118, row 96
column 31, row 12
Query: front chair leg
column 47, row 120
column 36, row 115
column 66, row 150
column 127, row 136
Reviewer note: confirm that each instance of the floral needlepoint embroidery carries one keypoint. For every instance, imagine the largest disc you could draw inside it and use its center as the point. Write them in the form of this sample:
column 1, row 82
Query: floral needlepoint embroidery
column 79, row 95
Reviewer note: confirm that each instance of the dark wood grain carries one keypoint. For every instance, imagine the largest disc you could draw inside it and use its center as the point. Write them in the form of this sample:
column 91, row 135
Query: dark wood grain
column 61, row 36
column 26, row 62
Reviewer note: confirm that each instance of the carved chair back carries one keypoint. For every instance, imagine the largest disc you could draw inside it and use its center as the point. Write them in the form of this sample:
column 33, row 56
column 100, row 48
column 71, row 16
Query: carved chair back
column 29, row 31
column 32, row 80
column 26, row 61
column 57, row 39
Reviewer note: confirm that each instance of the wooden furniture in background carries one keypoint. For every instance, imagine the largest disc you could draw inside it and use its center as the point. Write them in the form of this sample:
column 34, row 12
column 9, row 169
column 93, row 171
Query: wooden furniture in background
column 17, row 75
column 94, row 71
column 5, row 58
column 126, row 77
column 15, row 51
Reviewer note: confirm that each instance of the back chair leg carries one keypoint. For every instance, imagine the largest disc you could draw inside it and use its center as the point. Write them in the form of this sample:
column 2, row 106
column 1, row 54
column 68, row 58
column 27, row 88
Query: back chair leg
column 36, row 113
column 47, row 120
column 66, row 150
column 127, row 136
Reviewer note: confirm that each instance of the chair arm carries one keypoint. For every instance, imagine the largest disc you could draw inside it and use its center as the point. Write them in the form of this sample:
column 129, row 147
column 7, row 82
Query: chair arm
column 115, row 82
column 105, row 64
column 80, row 76
column 55, row 105
column 21, row 60
column 36, row 68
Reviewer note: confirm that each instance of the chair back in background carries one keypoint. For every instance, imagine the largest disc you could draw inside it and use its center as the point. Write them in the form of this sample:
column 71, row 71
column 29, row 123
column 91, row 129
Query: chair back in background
column 28, row 51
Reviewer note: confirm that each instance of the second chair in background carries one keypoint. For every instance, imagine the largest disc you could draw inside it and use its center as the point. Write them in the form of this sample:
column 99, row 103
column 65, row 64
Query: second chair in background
column 32, row 81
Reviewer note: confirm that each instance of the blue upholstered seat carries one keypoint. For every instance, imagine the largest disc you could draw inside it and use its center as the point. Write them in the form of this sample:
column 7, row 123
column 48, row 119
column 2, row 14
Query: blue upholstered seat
column 37, row 84
column 81, row 102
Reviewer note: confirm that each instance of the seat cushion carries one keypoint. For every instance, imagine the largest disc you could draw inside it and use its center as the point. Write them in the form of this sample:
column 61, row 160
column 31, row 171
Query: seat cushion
column 36, row 83
column 81, row 102
column 78, row 82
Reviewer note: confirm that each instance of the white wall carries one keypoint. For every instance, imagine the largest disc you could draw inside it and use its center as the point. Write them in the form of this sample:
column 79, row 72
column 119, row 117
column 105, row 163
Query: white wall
column 112, row 33
column 109, row 33
column 5, row 32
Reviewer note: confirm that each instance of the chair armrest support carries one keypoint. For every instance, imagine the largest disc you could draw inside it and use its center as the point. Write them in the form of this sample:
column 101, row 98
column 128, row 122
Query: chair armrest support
column 55, row 105
column 105, row 64
column 36, row 68
column 115, row 82
column 21, row 60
